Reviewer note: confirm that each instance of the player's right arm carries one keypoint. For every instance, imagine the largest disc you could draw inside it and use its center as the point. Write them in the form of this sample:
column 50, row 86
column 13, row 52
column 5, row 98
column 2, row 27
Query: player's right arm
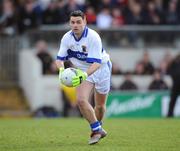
column 62, row 55
column 59, row 64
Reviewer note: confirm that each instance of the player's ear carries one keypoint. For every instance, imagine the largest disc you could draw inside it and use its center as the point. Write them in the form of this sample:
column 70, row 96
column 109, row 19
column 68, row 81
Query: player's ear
column 85, row 20
column 70, row 21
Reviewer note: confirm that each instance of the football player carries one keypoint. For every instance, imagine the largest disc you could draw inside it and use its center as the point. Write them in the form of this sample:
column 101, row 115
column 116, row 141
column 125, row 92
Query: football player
column 83, row 47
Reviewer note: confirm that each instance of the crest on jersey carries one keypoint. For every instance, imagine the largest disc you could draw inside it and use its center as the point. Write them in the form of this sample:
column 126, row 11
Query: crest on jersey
column 84, row 48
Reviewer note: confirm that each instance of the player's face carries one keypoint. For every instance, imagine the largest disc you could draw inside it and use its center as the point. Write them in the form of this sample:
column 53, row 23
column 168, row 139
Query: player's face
column 77, row 25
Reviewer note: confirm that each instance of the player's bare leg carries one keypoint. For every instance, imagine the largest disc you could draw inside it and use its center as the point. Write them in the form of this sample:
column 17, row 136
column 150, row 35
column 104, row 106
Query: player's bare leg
column 100, row 108
column 83, row 93
column 100, row 105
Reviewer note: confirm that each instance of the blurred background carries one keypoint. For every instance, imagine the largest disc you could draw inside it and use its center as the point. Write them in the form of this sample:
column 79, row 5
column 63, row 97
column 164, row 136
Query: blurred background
column 141, row 36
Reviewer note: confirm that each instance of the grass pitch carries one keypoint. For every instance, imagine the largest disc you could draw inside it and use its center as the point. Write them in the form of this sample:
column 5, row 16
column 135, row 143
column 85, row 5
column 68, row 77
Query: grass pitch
column 73, row 134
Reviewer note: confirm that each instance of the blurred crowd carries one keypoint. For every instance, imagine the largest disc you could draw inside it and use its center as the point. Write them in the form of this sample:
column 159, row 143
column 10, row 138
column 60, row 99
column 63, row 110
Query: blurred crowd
column 145, row 67
column 17, row 16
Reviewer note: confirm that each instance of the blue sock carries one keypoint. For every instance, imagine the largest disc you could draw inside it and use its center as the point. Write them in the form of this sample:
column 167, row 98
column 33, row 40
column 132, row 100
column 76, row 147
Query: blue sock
column 96, row 126
column 100, row 123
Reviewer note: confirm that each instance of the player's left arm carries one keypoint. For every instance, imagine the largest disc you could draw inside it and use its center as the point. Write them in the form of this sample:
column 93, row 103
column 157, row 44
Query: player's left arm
column 81, row 75
column 93, row 68
column 95, row 54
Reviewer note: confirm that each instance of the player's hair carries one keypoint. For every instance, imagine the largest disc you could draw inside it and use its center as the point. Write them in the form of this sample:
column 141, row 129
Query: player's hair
column 77, row 13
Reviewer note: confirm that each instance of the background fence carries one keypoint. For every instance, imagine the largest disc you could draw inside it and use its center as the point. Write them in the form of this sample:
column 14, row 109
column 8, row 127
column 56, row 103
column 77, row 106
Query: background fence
column 9, row 50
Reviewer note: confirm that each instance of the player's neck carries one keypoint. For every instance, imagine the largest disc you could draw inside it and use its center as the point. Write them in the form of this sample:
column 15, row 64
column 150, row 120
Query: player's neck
column 78, row 35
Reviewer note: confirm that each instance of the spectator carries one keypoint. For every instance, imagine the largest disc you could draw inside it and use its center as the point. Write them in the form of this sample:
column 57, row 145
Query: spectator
column 163, row 67
column 171, row 15
column 133, row 13
column 8, row 20
column 62, row 12
column 90, row 15
column 117, row 17
column 51, row 14
column 48, row 65
column 157, row 83
column 139, row 69
column 159, row 6
column 151, row 15
column 148, row 66
column 104, row 18
column 115, row 69
column 174, row 71
column 168, row 57
column 28, row 19
column 104, row 4
column 128, row 84
column 164, row 63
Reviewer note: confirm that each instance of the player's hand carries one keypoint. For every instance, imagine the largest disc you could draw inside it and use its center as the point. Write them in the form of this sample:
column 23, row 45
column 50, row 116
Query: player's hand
column 60, row 72
column 79, row 78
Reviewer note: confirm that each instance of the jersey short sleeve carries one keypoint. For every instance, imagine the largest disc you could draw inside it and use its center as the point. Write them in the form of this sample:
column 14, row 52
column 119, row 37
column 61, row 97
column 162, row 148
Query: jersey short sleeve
column 62, row 53
column 95, row 49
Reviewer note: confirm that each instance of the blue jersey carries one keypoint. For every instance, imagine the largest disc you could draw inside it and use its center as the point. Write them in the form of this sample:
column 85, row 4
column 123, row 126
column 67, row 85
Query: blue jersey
column 84, row 51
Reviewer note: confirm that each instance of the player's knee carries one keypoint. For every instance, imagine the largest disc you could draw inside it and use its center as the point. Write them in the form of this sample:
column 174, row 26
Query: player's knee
column 81, row 102
column 101, row 107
